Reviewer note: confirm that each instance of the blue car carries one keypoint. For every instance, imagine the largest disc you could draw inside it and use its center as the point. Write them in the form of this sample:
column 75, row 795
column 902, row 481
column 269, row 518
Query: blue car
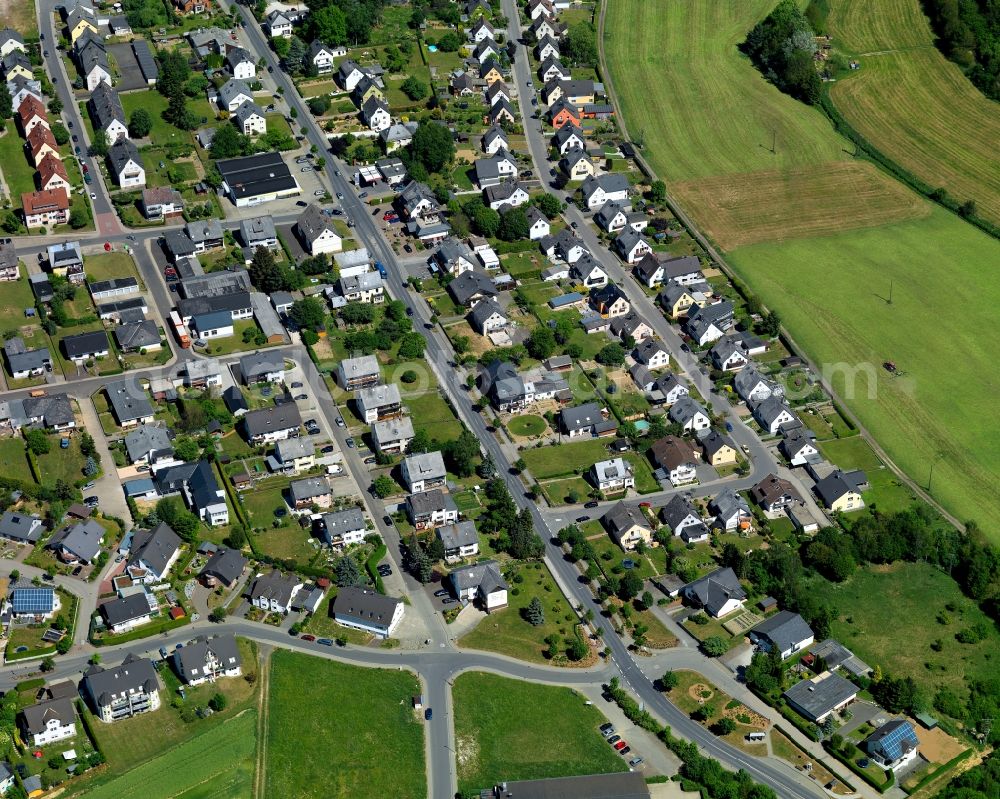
column 325, row 641
column 729, row 427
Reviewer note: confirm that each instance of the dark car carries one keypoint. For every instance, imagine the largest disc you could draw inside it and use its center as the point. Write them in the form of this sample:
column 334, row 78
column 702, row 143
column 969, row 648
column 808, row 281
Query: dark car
column 592, row 504
column 327, row 449
column 582, row 519
column 429, row 714
column 441, row 592
column 409, row 311
column 387, row 519
column 270, row 68
column 296, row 385
column 91, row 501
column 325, row 641
column 407, row 248
column 75, row 138
column 350, row 443
column 308, row 637
column 301, row 397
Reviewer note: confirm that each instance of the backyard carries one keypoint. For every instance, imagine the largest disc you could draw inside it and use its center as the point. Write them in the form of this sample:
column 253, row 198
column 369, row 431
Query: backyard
column 498, row 732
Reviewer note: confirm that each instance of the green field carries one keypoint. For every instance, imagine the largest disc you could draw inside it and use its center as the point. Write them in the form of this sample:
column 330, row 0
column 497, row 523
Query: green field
column 830, row 288
column 499, row 726
column 915, row 105
column 918, row 593
column 938, row 331
column 506, row 631
column 163, row 133
column 13, row 460
column 217, row 764
column 562, row 460
column 527, row 425
column 342, row 731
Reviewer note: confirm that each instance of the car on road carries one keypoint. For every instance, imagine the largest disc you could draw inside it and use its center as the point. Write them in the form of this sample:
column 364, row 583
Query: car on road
column 301, row 397
column 429, row 714
column 93, row 195
column 69, row 124
column 308, row 637
column 407, row 248
column 91, row 501
column 350, row 443
column 325, row 641
column 409, row 311
column 613, row 739
column 270, row 68
column 441, row 592
column 77, row 150
column 635, row 761
column 363, row 195
column 386, row 216
column 340, row 195
column 729, row 427
column 297, row 384
column 387, row 519
column 370, row 461
column 337, row 212
column 592, row 504
column 86, row 168
column 75, row 138
column 620, row 745
column 582, row 519
column 573, row 225
column 340, row 422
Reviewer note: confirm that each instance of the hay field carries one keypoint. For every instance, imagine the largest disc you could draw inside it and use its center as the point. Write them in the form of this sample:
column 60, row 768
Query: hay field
column 913, row 104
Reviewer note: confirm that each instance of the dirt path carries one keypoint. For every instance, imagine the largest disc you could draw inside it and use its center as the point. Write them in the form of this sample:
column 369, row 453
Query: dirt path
column 263, row 678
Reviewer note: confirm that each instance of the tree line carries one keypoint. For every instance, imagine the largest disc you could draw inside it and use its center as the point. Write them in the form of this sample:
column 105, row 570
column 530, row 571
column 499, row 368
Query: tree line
column 782, row 46
column 968, row 33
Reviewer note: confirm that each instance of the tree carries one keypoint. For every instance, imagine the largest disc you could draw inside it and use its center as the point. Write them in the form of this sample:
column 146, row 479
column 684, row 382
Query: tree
column 484, row 219
column 412, row 346
column 308, row 313
column 421, row 442
column 714, row 646
column 7, row 106
column 227, row 142
column 217, row 702
column 48, row 664
column 459, row 453
column 629, row 586
column 329, row 25
column 186, row 448
column 218, row 615
column 358, row 313
column 658, row 192
column 38, row 441
column 99, row 144
column 432, row 146
column 348, row 573
column 771, row 325
column 669, row 681
column 449, row 43
column 534, row 613
column 414, row 88
column 580, row 46
column 764, row 672
column 264, row 272
column 553, row 641
column 319, row 105
column 966, row 210
column 60, row 134
column 724, row 726
column 383, row 486
column 541, row 343
column 549, row 204
column 140, row 124
column 611, row 355
column 90, row 467
column 78, row 219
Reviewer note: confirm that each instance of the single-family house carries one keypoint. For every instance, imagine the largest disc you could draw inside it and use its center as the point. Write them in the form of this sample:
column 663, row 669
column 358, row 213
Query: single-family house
column 753, row 388
column 487, row 317
column 690, row 415
column 375, row 114
column 611, row 187
column 683, row 519
column 153, row 553
column 128, row 611
column 709, row 323
column 632, row 246
column 52, row 719
column 821, row 696
column 718, row 593
column 367, row 610
column 719, row 449
column 481, row 582
column 894, row 745
column 612, row 475
column 78, row 543
column 841, row 491
column 774, row 493
column 785, row 633
column 375, row 403
column 207, row 659
column 316, row 231
column 21, row 528
column 392, row 435
column 129, row 402
column 677, row 458
column 249, row 119
column 360, row 372
column 774, row 415
column 627, row 525
column 268, row 425
column 342, row 528
column 731, row 511
column 260, row 367
column 224, row 567
column 233, row 93
column 241, row 64
column 460, row 540
column 423, row 471
column 430, row 509
column 472, row 287
column 799, row 446
column 45, row 208
column 272, row 592
column 126, row 164
column 539, row 224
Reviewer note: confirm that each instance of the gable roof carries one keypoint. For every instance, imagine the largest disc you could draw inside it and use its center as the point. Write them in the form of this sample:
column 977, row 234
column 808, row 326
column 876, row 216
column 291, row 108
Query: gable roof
column 312, row 223
column 226, row 564
column 121, row 153
column 621, row 517
column 154, row 547
column 268, row 420
column 714, row 590
column 132, row 674
column 468, row 284
column 82, row 539
column 784, row 629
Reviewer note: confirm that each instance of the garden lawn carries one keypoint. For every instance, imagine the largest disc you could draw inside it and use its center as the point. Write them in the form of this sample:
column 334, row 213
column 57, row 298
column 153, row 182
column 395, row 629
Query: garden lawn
column 235, row 343
column 262, row 502
column 61, row 464
column 287, row 543
column 381, row 750
column 430, row 412
column 497, row 732
column 527, row 425
column 16, row 297
column 164, row 133
column 507, row 632
column 13, row 460
column 109, row 265
column 918, row 593
column 322, row 625
column 887, row 492
column 830, row 292
column 562, row 460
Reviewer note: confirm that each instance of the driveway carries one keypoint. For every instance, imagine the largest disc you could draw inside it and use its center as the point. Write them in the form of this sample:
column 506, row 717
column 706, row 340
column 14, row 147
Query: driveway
column 107, row 489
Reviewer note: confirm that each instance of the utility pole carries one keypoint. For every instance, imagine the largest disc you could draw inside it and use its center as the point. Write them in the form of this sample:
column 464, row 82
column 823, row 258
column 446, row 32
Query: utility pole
column 774, row 142
column 930, row 476
column 890, row 292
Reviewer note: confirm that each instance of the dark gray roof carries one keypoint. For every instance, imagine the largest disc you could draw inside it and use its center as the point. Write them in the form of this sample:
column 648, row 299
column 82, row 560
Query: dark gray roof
column 259, row 364
column 22, row 359
column 133, row 674
column 55, row 409
column 37, row 716
column 429, row 501
column 256, row 174
column 147, row 63
column 481, row 313
column 128, row 399
column 275, row 585
column 713, row 590
column 485, row 576
column 625, row 785
column 124, row 609
column 20, row 526
column 343, row 521
column 121, row 153
column 365, row 605
column 226, row 565
column 836, row 485
column 191, row 659
column 715, row 441
column 678, row 509
column 81, row 345
column 458, row 535
column 155, row 547
column 234, row 399
column 622, row 516
column 268, row 420
column 145, row 439
column 784, row 630
column 468, row 284
column 817, row 697
column 582, row 416
column 105, row 106
column 136, row 335
column 82, row 539
column 308, row 488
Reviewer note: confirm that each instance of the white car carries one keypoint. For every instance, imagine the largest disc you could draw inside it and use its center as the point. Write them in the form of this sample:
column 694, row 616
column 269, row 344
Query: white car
column 93, row 195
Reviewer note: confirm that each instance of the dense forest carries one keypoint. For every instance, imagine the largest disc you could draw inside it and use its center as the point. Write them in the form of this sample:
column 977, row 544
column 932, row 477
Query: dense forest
column 982, row 782
column 782, row 47
column 968, row 33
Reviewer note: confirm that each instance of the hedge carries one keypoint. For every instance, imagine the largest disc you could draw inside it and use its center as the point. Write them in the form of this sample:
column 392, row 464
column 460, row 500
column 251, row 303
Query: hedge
column 372, row 563
column 881, row 787
column 940, row 770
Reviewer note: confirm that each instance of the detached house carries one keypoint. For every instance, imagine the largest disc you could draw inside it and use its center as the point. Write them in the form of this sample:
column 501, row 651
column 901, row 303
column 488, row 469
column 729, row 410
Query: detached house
column 481, row 582
column 459, row 540
column 785, row 633
column 731, row 511
column 273, row 592
column 197, row 484
column 278, row 24
column 689, row 415
column 677, row 458
column 208, row 659
column 840, row 491
column 718, row 593
column 107, row 113
column 612, row 187
column 799, row 446
column 224, row 567
column 539, row 224
column 360, row 372
column 627, row 525
column 652, row 353
column 321, row 56
column 267, row 425
column 589, row 419
column 683, row 520
column 249, row 119
column 233, row 94
column 430, row 509
column 752, row 387
column 153, row 553
column 610, row 301
column 126, row 164
column 241, row 64
column 424, row 471
column 378, row 402
column 719, row 449
column 51, row 719
column 316, row 231
column 375, row 114
column 710, row 323
column 343, row 528
column 363, row 609
column 392, row 435
column 632, row 246
column 124, row 691
column 494, row 140
column 774, row 493
column 455, row 256
column 612, row 475
column 774, row 415
column 893, row 745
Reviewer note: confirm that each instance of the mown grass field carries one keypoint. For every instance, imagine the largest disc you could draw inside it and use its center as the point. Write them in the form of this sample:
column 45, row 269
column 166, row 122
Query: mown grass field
column 218, row 764
column 939, row 330
column 498, row 732
column 352, row 732
column 707, row 115
column 915, row 105
column 918, row 593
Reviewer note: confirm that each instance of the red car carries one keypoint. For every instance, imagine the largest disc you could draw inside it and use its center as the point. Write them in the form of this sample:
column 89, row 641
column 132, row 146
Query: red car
column 388, row 215
column 620, row 745
column 308, row 637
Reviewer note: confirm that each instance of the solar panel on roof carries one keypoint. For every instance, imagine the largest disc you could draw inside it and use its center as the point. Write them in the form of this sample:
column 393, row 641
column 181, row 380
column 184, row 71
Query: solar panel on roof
column 32, row 600
column 897, row 741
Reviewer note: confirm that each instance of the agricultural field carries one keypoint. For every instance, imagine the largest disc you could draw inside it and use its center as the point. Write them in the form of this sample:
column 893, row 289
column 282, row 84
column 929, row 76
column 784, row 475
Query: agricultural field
column 497, row 724
column 915, row 105
column 935, row 609
column 837, row 310
column 218, row 763
column 380, row 749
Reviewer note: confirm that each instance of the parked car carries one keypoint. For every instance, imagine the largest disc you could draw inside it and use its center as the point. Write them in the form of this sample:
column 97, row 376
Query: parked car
column 88, row 485
column 624, row 750
column 306, row 169
column 75, row 138
column 607, row 729
column 297, row 384
column 407, row 248
column 319, row 193
column 91, row 501
column 325, row 641
column 327, row 449
column 308, row 637
column 370, row 461
column 429, row 714
column 301, row 397
column 582, row 519
column 592, row 504
column 340, row 422
column 620, row 745
column 449, row 601
column 350, row 443
column 440, row 592
column 362, row 195
column 613, row 739
column 635, row 761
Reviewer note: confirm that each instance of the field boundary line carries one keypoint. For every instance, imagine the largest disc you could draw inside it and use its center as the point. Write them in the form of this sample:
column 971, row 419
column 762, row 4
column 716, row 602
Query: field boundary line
column 260, row 770
column 722, row 264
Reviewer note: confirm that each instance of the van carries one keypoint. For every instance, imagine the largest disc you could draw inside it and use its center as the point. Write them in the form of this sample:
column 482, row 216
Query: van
column 381, row 270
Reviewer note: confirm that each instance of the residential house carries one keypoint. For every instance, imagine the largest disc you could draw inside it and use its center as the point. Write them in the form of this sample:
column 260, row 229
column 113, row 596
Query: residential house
column 507, row 193
column 295, row 454
column 494, row 170
column 487, row 317
column 224, row 567
column 589, row 272
column 684, row 269
column 392, row 435
column 376, row 403
column 471, row 287
column 273, row 592
column 153, row 553
column 627, row 525
column 589, row 419
column 20, row 528
column 459, row 540
column 363, row 609
column 632, row 246
column 149, row 444
column 496, row 92
column 709, row 323
column 78, row 543
column 719, row 449
column 46, row 208
column 126, row 164
column 610, row 301
column 455, row 256
column 539, row 224
column 482, row 582
column 261, row 367
column 92, row 58
column 562, row 113
column 54, row 412
column 241, row 64
column 552, row 68
column 799, row 446
column 397, row 135
column 677, row 458
column 753, row 388
column 124, row 691
column 31, row 112
column 51, row 719
column 349, row 74
column 430, row 509
column 259, row 231
column 774, row 493
column 423, row 471
column 322, row 56
column 631, row 328
column 368, row 88
column 568, row 138
column 774, row 415
column 249, row 119
column 316, row 231
column 310, row 491
column 191, row 6
column 576, row 165
column 107, row 113
column 486, row 50
column 690, row 415
column 129, row 402
column 485, row 253
column 614, row 217
column 785, row 633
column 840, row 491
column 360, row 372
column 718, row 593
column 893, row 745
column 268, row 425
column 278, row 24
column 233, row 93
column 462, row 84
column 24, row 363
column 375, row 114
column 161, row 202
column 676, row 299
column 510, row 392
column 32, row 604
column 494, row 140
column 729, row 354
column 481, row 30
column 819, row 697
column 683, row 519
column 10, row 264
column 128, row 611
column 82, row 347
column 731, row 511
column 652, row 353
column 343, row 528
column 612, row 187
column 546, row 48
column 489, row 72
column 10, row 40
column 207, row 659
column 66, row 260
column 235, row 402
column 201, row 491
column 612, row 475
